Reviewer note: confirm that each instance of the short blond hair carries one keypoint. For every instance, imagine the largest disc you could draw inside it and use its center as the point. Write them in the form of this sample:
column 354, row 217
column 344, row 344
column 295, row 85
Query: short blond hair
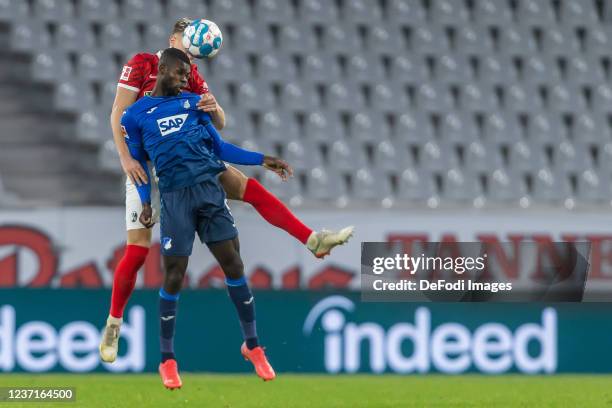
column 181, row 24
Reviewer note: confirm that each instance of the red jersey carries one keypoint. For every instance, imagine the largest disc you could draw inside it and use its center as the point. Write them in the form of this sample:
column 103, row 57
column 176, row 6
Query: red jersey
column 140, row 73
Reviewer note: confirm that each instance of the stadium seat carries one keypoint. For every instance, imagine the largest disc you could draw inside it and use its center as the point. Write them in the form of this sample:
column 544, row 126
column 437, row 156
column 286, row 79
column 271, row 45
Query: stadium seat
column 415, row 186
column 504, row 187
column 549, row 187
column 298, row 96
column 321, row 68
column 121, row 38
column 525, row 158
column 559, row 42
column 323, row 126
column 14, row 11
column 276, row 67
column 230, row 66
column 141, row 11
column 93, row 126
column 384, row 40
column 452, row 69
column 501, row 128
column 518, row 98
column 278, row 126
column 230, row 11
column 598, row 41
column 368, row 127
column 156, row 36
column 492, row 12
column 362, row 69
column 318, row 11
column 414, row 128
column 584, row 71
column 297, row 38
column 514, row 41
column 433, row 97
column 176, row 9
column 390, row 156
column 571, row 158
column 75, row 37
column 386, row 97
column 98, row 10
column 238, row 126
column 473, row 40
column 474, row 97
column 252, row 36
column 339, row 38
column 274, row 11
column 448, row 13
column 563, row 99
column 50, row 67
column 71, row 96
column 539, row 71
column 545, row 128
column 409, row 70
column 405, row 12
column 303, row 156
column 372, row 188
column 96, row 66
column 29, row 38
column 325, row 185
column 255, row 96
column 436, row 157
column 347, row 157
column 482, row 157
column 495, row 70
column 289, row 192
column 592, row 188
column 457, row 128
column 361, row 12
column 344, row 97
column 427, row 40
column 55, row 11
column 458, row 186
column 588, row 128
column 578, row 14
column 535, row 13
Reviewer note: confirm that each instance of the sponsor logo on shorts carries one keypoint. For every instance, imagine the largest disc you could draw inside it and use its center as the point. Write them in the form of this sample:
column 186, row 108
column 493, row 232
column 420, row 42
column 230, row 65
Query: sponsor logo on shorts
column 166, row 243
column 134, row 216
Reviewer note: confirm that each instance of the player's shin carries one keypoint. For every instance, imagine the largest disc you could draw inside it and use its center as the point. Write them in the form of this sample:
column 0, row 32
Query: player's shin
column 243, row 300
column 125, row 278
column 168, row 305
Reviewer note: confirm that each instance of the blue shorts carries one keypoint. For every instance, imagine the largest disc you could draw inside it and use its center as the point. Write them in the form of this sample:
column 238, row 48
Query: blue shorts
column 200, row 209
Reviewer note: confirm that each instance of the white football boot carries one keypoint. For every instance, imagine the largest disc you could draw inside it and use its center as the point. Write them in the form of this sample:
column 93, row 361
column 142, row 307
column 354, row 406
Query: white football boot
column 109, row 345
column 321, row 243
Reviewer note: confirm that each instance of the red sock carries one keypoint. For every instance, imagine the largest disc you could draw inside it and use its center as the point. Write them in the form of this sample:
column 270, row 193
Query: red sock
column 274, row 211
column 125, row 277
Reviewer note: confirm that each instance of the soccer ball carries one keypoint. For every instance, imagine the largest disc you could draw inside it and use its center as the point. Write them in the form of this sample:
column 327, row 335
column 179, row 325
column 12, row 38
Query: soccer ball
column 202, row 38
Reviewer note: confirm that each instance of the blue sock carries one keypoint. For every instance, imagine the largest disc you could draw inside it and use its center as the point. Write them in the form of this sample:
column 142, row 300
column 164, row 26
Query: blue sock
column 242, row 297
column 167, row 321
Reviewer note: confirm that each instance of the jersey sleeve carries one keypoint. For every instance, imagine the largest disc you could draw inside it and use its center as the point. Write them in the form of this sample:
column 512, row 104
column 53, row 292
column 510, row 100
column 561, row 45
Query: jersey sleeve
column 197, row 84
column 133, row 139
column 133, row 73
column 232, row 153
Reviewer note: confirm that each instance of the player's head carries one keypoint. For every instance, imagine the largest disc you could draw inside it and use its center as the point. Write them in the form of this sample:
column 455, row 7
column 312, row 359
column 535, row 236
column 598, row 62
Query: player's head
column 176, row 38
column 174, row 70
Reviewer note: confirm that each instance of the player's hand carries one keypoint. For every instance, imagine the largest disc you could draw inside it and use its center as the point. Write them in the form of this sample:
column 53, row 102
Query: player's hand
column 278, row 166
column 146, row 216
column 133, row 169
column 207, row 103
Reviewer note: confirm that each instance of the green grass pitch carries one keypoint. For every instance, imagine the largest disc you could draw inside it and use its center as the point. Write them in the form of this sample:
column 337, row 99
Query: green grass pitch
column 208, row 390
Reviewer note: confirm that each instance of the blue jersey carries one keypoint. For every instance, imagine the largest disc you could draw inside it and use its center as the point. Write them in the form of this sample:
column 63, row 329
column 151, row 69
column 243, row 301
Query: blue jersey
column 182, row 142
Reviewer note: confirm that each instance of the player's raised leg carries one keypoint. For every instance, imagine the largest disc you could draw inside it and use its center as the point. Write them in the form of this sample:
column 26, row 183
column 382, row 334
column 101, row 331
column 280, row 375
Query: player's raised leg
column 175, row 268
column 124, row 279
column 228, row 255
column 239, row 187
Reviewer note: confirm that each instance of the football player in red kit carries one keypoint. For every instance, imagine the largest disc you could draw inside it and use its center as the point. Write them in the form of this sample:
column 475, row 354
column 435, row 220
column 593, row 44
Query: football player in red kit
column 137, row 79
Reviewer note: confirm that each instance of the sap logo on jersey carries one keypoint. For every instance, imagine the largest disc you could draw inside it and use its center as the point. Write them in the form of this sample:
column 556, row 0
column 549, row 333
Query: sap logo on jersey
column 171, row 124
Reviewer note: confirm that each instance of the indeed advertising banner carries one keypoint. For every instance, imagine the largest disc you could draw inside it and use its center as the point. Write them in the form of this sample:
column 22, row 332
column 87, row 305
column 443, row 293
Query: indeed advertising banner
column 58, row 330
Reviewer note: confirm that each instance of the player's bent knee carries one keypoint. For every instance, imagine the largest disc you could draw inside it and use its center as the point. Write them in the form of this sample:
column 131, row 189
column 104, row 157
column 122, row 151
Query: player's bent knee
column 234, row 183
column 140, row 237
column 233, row 268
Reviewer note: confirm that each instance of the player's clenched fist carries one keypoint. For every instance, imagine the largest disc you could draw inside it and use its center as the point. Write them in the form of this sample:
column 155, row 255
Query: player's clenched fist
column 278, row 166
column 146, row 216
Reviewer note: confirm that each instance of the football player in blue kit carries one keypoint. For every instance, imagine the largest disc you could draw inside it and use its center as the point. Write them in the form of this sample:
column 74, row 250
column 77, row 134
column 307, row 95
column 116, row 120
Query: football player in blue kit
column 188, row 154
